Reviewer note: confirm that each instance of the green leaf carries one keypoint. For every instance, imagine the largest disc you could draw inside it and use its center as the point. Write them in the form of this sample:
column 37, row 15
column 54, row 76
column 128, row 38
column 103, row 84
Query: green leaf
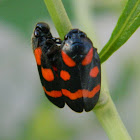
column 128, row 22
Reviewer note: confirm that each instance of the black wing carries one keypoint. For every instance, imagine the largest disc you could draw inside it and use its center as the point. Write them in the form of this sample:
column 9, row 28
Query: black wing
column 81, row 62
column 46, row 52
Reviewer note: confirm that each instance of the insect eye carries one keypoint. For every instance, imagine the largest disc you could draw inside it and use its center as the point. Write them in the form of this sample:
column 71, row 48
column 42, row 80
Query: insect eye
column 42, row 28
column 36, row 33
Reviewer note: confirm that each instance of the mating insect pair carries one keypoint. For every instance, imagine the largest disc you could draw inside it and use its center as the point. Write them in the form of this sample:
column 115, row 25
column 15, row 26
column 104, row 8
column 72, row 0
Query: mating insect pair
column 69, row 70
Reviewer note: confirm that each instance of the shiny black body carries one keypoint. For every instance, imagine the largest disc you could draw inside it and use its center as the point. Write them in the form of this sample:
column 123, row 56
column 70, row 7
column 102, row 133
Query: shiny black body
column 76, row 44
column 43, row 38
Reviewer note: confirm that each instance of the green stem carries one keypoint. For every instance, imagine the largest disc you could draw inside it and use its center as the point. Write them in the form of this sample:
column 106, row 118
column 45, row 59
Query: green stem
column 108, row 116
column 105, row 109
column 111, row 122
column 59, row 16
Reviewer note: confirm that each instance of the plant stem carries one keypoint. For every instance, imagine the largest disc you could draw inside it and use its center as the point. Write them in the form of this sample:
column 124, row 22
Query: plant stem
column 105, row 109
column 111, row 122
column 59, row 16
column 108, row 116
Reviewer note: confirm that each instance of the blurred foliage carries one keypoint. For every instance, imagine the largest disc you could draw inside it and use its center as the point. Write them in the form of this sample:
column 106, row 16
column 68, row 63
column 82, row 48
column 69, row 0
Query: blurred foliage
column 108, row 6
column 23, row 15
column 44, row 125
column 123, row 81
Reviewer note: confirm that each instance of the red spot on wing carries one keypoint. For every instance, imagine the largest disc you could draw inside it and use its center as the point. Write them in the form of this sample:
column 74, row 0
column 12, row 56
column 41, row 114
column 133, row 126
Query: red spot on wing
column 64, row 75
column 88, row 58
column 94, row 72
column 47, row 74
column 81, row 93
column 53, row 93
column 67, row 60
column 38, row 53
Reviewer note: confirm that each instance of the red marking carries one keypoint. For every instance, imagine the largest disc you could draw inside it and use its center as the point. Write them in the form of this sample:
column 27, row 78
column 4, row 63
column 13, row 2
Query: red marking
column 81, row 93
column 53, row 93
column 72, row 96
column 38, row 53
column 54, row 68
column 67, row 60
column 47, row 74
column 91, row 94
column 64, row 75
column 94, row 72
column 88, row 57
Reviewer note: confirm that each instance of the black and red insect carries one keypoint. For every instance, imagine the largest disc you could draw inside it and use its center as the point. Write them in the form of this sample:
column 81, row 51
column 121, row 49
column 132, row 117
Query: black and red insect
column 69, row 70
